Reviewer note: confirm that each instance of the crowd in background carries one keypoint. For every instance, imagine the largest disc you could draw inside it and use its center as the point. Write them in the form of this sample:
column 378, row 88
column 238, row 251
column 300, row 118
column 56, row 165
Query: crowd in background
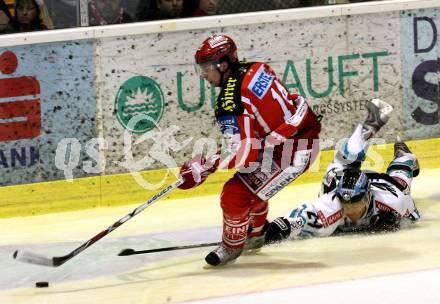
column 35, row 15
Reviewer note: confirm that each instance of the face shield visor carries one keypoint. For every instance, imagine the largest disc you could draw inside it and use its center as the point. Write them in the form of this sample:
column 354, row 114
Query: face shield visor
column 206, row 67
column 355, row 207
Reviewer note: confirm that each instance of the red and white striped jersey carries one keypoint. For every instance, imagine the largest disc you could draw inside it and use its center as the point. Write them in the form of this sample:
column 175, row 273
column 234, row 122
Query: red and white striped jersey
column 254, row 105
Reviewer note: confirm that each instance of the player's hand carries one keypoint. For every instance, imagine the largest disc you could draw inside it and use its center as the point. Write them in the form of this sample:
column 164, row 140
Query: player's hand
column 279, row 230
column 195, row 171
column 273, row 139
column 384, row 221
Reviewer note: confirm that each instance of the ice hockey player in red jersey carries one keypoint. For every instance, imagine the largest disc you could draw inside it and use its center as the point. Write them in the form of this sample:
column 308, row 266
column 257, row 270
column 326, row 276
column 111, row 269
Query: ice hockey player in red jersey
column 269, row 134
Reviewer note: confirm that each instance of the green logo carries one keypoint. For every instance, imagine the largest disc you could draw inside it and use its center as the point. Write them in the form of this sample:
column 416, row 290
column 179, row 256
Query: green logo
column 139, row 95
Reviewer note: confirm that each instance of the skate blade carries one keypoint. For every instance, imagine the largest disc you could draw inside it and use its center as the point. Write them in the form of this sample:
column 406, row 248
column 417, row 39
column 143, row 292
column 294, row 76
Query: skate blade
column 210, row 267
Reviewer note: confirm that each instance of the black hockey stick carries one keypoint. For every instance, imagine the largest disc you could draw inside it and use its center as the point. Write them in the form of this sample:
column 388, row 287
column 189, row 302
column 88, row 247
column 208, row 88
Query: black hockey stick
column 132, row 251
column 29, row 257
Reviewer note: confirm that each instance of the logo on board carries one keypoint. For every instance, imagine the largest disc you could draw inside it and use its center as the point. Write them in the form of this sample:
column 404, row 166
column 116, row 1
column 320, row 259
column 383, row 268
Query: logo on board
column 20, row 105
column 139, row 95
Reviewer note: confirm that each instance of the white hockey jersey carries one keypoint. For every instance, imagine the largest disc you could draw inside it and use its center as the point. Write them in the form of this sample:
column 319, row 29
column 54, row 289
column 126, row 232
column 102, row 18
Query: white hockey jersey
column 323, row 216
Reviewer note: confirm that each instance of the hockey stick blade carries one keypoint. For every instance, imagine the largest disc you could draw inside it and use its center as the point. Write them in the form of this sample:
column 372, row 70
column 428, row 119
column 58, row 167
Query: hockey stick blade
column 126, row 252
column 33, row 258
column 37, row 259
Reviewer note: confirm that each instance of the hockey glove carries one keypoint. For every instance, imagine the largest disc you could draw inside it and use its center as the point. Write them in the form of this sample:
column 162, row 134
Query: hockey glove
column 279, row 230
column 195, row 171
column 384, row 221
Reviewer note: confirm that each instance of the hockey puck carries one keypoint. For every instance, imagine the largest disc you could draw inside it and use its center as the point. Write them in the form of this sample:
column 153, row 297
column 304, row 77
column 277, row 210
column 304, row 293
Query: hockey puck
column 42, row 284
column 127, row 251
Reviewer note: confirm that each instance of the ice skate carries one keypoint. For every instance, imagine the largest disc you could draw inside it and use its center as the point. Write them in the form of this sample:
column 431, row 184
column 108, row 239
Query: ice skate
column 254, row 243
column 400, row 149
column 222, row 255
column 378, row 115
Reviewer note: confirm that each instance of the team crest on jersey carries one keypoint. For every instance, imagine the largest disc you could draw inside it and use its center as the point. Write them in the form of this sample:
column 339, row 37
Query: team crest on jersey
column 228, row 124
column 230, row 130
column 261, row 82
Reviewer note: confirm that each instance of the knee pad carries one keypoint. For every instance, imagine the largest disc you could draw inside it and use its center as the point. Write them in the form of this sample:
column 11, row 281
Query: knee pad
column 349, row 156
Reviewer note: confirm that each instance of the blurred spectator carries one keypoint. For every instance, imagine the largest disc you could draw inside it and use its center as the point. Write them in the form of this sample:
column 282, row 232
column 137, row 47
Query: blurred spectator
column 146, row 10
column 3, row 22
column 5, row 17
column 45, row 15
column 26, row 18
column 102, row 12
column 167, row 9
column 234, row 6
column 243, row 6
column 159, row 9
column 204, row 8
column 131, row 7
column 64, row 13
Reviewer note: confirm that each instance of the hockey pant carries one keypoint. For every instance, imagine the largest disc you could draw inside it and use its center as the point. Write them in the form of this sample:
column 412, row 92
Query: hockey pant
column 244, row 199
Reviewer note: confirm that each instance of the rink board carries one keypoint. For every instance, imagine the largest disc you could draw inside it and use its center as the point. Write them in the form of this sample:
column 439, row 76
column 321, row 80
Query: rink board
column 123, row 189
column 94, row 81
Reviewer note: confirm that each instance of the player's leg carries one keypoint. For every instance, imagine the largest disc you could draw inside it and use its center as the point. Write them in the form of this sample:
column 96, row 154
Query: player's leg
column 379, row 113
column 404, row 165
column 258, row 225
column 288, row 162
column 352, row 152
column 235, row 202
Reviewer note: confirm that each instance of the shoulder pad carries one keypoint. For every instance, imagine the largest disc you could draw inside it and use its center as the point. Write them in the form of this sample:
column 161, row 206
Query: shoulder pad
column 261, row 77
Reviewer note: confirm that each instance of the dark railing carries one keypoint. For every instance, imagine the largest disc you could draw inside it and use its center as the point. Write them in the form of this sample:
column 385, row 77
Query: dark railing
column 56, row 14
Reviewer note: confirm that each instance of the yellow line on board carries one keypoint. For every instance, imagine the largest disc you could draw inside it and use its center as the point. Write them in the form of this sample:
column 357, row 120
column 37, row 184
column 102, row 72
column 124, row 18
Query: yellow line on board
column 121, row 189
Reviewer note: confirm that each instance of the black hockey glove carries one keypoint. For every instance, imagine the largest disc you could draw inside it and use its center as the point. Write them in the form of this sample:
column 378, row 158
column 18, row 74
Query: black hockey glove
column 384, row 221
column 279, row 230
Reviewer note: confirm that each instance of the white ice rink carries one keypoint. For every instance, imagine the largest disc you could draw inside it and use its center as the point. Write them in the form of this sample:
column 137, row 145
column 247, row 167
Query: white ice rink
column 402, row 267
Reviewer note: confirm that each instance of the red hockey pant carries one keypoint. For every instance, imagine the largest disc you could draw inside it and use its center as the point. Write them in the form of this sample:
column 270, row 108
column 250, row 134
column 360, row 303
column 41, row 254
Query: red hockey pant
column 242, row 208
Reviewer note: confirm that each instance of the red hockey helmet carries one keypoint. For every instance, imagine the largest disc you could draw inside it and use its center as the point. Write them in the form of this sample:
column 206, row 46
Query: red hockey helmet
column 215, row 48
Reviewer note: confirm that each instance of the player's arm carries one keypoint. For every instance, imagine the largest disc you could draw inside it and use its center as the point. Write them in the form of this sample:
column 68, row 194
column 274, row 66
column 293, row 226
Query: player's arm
column 296, row 112
column 292, row 124
column 195, row 171
column 384, row 221
column 308, row 220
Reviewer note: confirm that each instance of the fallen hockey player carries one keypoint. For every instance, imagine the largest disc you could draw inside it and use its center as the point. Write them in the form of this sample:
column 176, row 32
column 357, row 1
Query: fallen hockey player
column 353, row 200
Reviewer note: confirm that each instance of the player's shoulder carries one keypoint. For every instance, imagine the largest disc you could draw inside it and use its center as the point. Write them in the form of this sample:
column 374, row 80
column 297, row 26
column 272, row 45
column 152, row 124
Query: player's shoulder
column 328, row 204
column 388, row 198
column 258, row 79
column 229, row 100
column 329, row 210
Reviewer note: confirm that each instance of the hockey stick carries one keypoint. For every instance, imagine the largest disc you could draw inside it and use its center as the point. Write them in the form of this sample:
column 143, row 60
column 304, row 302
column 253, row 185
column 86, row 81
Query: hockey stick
column 132, row 251
column 32, row 258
